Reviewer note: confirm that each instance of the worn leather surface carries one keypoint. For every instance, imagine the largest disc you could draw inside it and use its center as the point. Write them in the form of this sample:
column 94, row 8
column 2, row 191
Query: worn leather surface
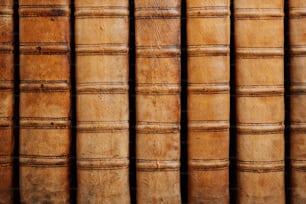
column 44, row 101
column 6, row 100
column 157, row 33
column 102, row 73
column 259, row 40
column 208, row 38
column 297, row 42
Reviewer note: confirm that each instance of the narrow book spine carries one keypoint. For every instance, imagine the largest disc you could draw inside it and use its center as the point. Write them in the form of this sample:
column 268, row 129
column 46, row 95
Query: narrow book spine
column 44, row 101
column 102, row 68
column 208, row 37
column 297, row 43
column 6, row 100
column 157, row 32
column 259, row 40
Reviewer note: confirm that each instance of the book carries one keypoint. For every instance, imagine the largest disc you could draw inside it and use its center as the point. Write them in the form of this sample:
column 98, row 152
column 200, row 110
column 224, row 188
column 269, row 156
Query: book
column 6, row 101
column 157, row 38
column 259, row 50
column 102, row 73
column 44, row 143
column 297, row 69
column 208, row 38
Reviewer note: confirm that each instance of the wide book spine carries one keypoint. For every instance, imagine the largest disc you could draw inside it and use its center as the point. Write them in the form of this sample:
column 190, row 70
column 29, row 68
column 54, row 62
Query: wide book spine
column 6, row 101
column 259, row 50
column 102, row 73
column 208, row 38
column 297, row 66
column 44, row 141
column 157, row 33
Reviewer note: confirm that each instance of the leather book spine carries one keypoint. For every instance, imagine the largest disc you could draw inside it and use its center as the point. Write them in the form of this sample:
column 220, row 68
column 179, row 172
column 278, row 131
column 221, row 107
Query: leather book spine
column 259, row 50
column 44, row 143
column 208, row 38
column 102, row 73
column 157, row 33
column 297, row 46
column 6, row 101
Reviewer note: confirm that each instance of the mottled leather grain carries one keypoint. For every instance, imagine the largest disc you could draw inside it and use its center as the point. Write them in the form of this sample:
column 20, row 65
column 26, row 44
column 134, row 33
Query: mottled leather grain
column 259, row 41
column 208, row 38
column 6, row 101
column 102, row 73
column 44, row 144
column 157, row 33
column 297, row 43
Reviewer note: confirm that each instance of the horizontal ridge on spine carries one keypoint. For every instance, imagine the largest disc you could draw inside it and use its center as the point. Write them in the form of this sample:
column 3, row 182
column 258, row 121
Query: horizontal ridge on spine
column 258, row 13
column 208, row 11
column 218, row 88
column 209, row 126
column 157, row 165
column 6, row 160
column 6, row 47
column 260, row 128
column 101, row 11
column 102, row 163
column 108, row 88
column 208, row 164
column 259, row 52
column 297, row 12
column 6, row 85
column 6, row 122
column 32, row 48
column 298, row 50
column 152, row 89
column 43, row 161
column 298, row 88
column 106, row 49
column 260, row 90
column 157, row 12
column 156, row 52
column 157, row 128
column 297, row 126
column 261, row 166
column 55, row 10
column 299, row 165
column 208, row 50
column 44, row 86
column 44, row 123
column 102, row 126
column 6, row 11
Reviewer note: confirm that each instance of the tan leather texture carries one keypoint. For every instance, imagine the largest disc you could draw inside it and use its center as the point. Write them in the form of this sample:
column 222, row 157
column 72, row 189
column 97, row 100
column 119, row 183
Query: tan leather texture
column 297, row 42
column 208, row 38
column 157, row 33
column 259, row 41
column 6, row 101
column 44, row 100
column 102, row 73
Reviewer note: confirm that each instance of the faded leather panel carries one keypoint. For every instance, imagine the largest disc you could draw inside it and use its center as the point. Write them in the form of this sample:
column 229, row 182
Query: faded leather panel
column 102, row 73
column 6, row 101
column 208, row 38
column 44, row 101
column 259, row 42
column 297, row 47
column 157, row 32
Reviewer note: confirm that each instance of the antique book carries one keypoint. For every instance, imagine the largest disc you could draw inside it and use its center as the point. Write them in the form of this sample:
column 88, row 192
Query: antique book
column 102, row 73
column 6, row 101
column 259, row 41
column 208, row 37
column 157, row 37
column 44, row 142
column 297, row 43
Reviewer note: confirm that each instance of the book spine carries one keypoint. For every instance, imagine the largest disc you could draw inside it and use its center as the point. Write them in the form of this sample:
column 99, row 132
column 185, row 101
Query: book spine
column 259, row 41
column 208, row 38
column 6, row 101
column 157, row 33
column 297, row 46
column 44, row 142
column 102, row 73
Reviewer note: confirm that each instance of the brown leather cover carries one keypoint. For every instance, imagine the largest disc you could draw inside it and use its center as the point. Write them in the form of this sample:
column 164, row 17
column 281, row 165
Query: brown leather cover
column 102, row 69
column 157, row 30
column 297, row 41
column 208, row 37
column 44, row 101
column 6, row 100
column 259, row 39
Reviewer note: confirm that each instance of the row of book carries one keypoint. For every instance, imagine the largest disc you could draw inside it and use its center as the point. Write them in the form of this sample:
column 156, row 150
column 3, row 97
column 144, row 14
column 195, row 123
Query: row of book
column 102, row 100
